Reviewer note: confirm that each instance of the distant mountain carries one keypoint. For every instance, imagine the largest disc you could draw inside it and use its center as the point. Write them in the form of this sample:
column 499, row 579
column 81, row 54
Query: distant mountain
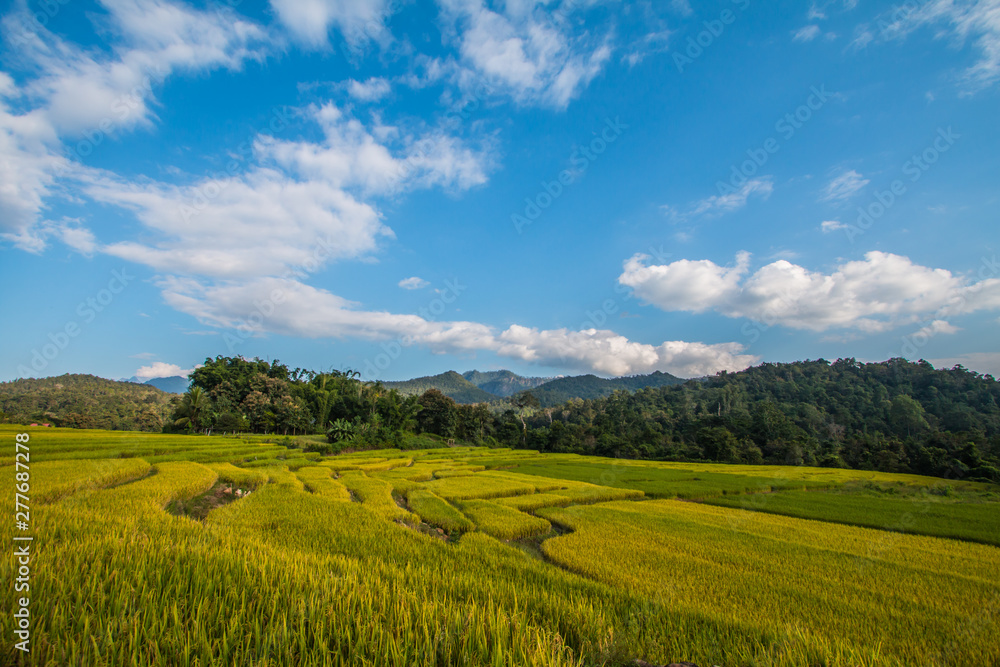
column 450, row 384
column 84, row 401
column 502, row 383
column 172, row 385
column 477, row 387
column 560, row 390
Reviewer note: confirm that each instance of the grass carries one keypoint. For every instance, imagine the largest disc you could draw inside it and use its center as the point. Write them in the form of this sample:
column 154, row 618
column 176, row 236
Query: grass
column 534, row 501
column 917, row 511
column 227, row 472
column 438, row 512
column 375, row 494
column 478, row 486
column 52, row 480
column 789, row 576
column 286, row 577
column 505, row 523
column 666, row 482
column 317, row 479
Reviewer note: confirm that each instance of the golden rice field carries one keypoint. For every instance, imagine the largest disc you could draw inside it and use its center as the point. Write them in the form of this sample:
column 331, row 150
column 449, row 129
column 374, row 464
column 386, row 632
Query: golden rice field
column 471, row 556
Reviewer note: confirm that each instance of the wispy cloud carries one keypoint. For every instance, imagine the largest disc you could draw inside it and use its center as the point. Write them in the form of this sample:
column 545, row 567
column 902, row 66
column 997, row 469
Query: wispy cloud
column 413, row 283
column 844, row 187
column 973, row 21
column 806, row 33
column 371, row 90
column 726, row 203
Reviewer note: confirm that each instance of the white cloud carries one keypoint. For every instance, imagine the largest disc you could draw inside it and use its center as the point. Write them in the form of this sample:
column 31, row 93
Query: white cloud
column 413, row 283
column 371, row 90
column 607, row 353
column 534, row 56
column 156, row 38
column 647, row 45
column 828, row 226
column 806, row 33
column 694, row 286
column 875, row 294
column 74, row 91
column 159, row 369
column 289, row 307
column 731, row 201
column 298, row 207
column 259, row 223
column 310, row 20
column 844, row 187
column 682, row 7
column 351, row 157
column 936, row 327
column 975, row 21
column 29, row 163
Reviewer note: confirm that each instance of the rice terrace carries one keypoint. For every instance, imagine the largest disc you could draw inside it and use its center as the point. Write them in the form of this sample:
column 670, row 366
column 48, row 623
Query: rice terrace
column 500, row 333
column 478, row 556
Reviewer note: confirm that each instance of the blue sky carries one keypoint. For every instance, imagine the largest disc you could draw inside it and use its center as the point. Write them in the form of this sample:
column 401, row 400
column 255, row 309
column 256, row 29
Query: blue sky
column 407, row 187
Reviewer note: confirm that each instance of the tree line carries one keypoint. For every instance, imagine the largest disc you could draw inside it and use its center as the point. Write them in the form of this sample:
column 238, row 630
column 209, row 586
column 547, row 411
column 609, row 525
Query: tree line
column 894, row 416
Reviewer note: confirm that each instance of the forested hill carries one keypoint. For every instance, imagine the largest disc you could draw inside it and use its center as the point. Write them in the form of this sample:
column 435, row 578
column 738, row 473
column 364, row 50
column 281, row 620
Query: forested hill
column 563, row 389
column 84, row 401
column 493, row 386
column 893, row 416
column 502, row 383
column 451, row 384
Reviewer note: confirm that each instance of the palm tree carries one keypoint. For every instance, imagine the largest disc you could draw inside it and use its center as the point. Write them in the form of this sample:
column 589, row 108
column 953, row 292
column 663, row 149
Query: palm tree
column 193, row 408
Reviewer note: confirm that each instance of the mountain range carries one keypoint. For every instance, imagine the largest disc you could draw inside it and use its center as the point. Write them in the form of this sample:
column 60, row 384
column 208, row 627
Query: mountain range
column 484, row 387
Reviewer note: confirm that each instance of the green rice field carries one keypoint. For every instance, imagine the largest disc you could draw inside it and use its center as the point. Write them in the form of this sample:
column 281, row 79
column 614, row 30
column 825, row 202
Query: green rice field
column 475, row 556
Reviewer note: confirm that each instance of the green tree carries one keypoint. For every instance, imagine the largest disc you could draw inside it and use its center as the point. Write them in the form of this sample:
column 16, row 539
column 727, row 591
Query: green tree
column 438, row 414
column 193, row 409
column 907, row 416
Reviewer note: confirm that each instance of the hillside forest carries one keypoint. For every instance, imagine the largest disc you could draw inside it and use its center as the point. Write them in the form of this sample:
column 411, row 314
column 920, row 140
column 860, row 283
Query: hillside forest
column 892, row 416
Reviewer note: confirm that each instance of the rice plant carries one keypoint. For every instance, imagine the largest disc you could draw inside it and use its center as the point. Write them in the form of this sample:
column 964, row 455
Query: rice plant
column 287, row 577
column 52, row 480
column 316, row 479
column 505, row 523
column 376, row 494
column 438, row 512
